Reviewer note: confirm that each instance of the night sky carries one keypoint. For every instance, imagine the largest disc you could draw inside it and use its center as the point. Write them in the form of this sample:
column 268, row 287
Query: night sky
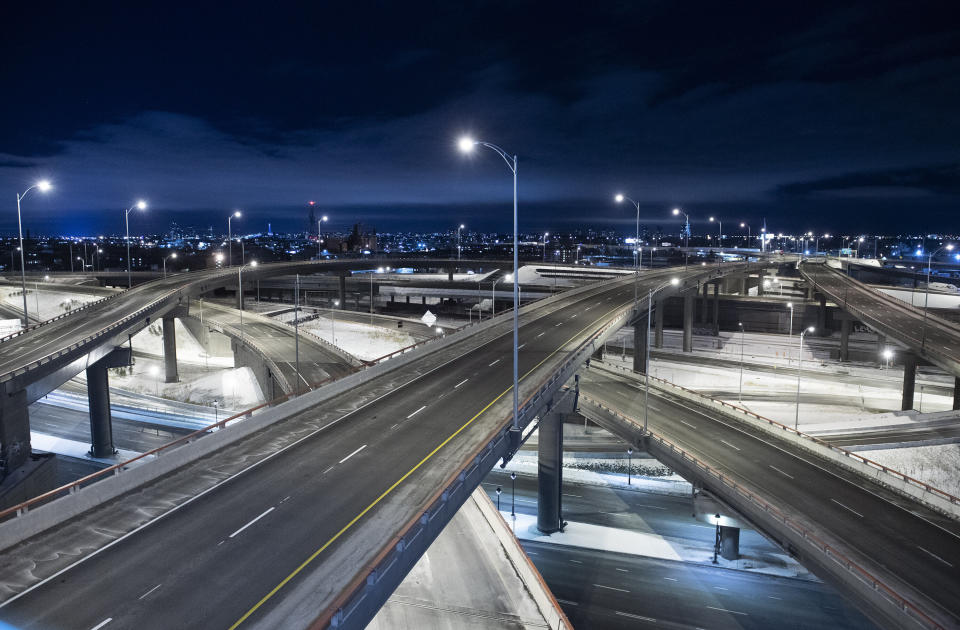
column 832, row 117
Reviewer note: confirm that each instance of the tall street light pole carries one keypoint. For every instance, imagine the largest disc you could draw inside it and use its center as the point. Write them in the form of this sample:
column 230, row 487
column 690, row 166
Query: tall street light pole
column 43, row 186
column 379, row 270
column 926, row 296
column 467, row 145
column 320, row 221
column 140, row 205
column 636, row 243
column 296, row 327
column 789, row 331
column 720, row 235
column 173, row 255
column 235, row 213
column 545, row 235
column 459, row 227
column 744, row 225
column 796, row 421
column 686, row 228
column 646, row 394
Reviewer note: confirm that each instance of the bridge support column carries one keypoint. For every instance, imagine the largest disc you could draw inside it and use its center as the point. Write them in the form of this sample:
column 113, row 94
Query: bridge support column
column 658, row 323
column 688, row 322
column 342, row 291
column 716, row 309
column 845, row 339
column 98, row 398
column 641, row 337
column 597, row 354
column 408, row 299
column 449, row 275
column 170, row 350
column 14, row 430
column 822, row 317
column 745, row 284
column 705, row 302
column 730, row 542
column 909, row 380
column 423, row 300
column 956, row 393
column 760, row 282
column 550, row 467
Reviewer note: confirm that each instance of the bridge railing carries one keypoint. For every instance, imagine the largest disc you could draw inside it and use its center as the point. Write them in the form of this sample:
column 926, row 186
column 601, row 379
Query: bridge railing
column 821, row 444
column 831, row 552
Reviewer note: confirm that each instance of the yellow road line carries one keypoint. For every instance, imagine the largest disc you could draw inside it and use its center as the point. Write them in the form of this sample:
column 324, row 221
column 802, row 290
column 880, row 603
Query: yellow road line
column 386, row 492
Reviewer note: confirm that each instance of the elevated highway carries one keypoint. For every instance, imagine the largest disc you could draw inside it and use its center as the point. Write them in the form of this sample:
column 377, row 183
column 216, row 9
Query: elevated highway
column 924, row 334
column 898, row 559
column 330, row 497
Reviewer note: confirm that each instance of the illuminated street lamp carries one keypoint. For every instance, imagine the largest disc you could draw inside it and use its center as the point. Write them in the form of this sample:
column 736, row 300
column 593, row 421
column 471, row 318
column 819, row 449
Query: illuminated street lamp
column 796, row 422
column 789, row 331
column 629, row 465
column 467, row 145
column 720, row 235
column 173, row 255
column 235, row 213
column 43, row 186
column 926, row 297
column 686, row 228
column 513, row 494
column 320, row 221
column 636, row 254
column 545, row 235
column 459, row 227
column 887, row 355
column 333, row 330
column 379, row 270
column 744, row 225
column 140, row 205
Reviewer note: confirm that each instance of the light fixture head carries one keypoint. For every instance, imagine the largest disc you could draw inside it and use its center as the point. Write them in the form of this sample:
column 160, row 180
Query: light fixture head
column 466, row 144
column 789, row 304
column 676, row 211
column 253, row 263
column 742, row 224
column 674, row 281
column 379, row 269
column 948, row 247
column 711, row 219
column 462, row 226
column 325, row 218
column 618, row 198
column 44, row 185
column 141, row 205
column 236, row 213
column 810, row 329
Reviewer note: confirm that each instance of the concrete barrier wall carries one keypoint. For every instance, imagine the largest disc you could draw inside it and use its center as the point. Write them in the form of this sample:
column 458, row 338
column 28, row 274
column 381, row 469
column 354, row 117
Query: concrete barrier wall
column 542, row 596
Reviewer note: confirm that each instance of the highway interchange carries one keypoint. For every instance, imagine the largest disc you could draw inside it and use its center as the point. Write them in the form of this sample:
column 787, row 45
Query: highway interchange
column 299, row 518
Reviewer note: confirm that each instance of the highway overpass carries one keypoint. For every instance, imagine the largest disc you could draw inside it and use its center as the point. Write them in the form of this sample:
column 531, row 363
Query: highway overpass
column 924, row 335
column 894, row 556
column 331, row 496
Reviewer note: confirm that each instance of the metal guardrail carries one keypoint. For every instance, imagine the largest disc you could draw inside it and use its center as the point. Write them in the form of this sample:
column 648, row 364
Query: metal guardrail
column 831, row 552
column 819, row 442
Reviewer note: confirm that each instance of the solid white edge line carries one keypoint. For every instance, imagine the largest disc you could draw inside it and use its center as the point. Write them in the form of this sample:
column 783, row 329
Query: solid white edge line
column 935, row 556
column 227, row 480
column 612, row 588
column 780, row 471
column 353, row 453
column 735, row 612
column 414, row 413
column 102, row 623
column 847, row 508
column 251, row 522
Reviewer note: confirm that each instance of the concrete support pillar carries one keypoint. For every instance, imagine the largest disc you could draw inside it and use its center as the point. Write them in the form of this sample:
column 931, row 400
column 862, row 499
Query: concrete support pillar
column 423, row 300
column 956, row 393
column 909, row 380
column 705, row 302
column 688, row 322
column 549, row 472
column 640, row 339
column 760, row 282
column 449, row 275
column 98, row 398
column 822, row 317
column 659, row 307
column 342, row 290
column 14, row 430
column 716, row 309
column 730, row 542
column 408, row 299
column 170, row 350
column 845, row 339
column 810, row 291
column 745, row 284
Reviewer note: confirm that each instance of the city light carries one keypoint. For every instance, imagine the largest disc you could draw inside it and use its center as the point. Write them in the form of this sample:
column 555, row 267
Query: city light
column 466, row 144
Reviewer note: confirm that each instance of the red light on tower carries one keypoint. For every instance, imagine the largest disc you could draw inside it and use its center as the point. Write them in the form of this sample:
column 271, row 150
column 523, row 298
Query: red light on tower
column 313, row 203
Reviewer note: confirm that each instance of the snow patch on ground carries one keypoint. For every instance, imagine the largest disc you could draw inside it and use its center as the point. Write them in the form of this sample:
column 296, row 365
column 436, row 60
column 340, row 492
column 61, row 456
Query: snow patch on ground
column 189, row 350
column 938, row 466
column 234, row 389
column 51, row 303
column 363, row 341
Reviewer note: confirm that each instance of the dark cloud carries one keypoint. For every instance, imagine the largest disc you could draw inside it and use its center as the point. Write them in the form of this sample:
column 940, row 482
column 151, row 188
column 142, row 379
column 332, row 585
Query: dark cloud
column 755, row 106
